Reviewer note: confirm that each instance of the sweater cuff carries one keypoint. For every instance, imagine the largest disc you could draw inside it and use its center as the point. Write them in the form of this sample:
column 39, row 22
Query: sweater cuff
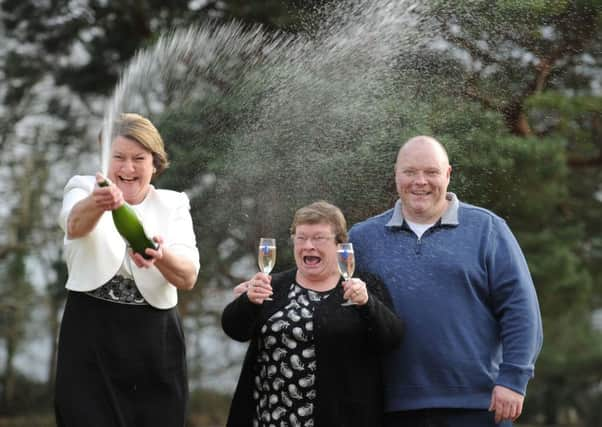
column 514, row 377
column 367, row 309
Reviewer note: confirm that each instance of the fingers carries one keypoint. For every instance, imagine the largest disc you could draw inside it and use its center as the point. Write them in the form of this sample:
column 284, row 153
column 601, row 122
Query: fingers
column 506, row 411
column 138, row 259
column 108, row 198
column 100, row 177
column 258, row 290
column 355, row 291
column 259, row 279
column 158, row 252
column 518, row 410
column 266, row 278
column 497, row 406
column 240, row 289
column 507, row 404
column 154, row 254
column 142, row 262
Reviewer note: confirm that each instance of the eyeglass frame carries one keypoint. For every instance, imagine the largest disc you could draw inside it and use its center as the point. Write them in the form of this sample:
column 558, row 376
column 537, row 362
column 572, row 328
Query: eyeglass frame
column 317, row 241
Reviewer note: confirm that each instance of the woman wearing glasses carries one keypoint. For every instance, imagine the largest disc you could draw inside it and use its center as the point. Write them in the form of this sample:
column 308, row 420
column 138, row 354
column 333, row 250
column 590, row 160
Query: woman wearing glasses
column 311, row 361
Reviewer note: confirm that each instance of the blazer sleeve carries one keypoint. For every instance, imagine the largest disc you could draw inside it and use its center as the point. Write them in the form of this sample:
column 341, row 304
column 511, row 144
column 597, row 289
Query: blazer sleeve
column 182, row 239
column 77, row 188
column 240, row 318
column 384, row 326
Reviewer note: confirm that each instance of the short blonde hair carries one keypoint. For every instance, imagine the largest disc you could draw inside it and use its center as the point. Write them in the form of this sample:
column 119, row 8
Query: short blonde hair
column 322, row 212
column 141, row 130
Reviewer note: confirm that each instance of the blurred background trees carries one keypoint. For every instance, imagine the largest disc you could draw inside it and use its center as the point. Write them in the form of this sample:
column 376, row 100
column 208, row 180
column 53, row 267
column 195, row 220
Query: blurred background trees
column 512, row 88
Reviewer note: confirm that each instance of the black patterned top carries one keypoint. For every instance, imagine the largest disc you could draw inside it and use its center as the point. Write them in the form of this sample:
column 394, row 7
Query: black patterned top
column 284, row 389
column 121, row 290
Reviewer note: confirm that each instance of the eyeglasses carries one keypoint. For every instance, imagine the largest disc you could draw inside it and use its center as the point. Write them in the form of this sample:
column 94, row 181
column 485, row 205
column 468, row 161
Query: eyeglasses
column 315, row 240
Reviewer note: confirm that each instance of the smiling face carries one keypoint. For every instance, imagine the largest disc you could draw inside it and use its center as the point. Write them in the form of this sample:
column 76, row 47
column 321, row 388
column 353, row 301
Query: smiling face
column 422, row 174
column 131, row 169
column 315, row 252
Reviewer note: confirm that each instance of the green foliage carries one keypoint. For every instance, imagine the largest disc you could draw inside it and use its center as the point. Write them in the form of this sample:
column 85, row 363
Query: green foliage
column 32, row 398
column 16, row 295
column 532, row 7
column 249, row 158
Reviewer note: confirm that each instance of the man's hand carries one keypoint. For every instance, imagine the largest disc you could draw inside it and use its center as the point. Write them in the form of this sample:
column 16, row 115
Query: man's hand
column 507, row 404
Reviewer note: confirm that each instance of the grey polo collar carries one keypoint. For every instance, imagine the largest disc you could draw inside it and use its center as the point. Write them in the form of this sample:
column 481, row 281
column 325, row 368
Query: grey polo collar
column 449, row 217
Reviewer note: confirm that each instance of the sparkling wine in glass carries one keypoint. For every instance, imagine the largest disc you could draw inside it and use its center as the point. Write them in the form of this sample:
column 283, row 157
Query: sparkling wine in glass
column 266, row 256
column 346, row 263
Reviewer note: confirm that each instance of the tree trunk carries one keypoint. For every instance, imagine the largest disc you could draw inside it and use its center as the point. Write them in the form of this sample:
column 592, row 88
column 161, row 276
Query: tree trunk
column 551, row 403
column 54, row 333
column 516, row 119
column 8, row 385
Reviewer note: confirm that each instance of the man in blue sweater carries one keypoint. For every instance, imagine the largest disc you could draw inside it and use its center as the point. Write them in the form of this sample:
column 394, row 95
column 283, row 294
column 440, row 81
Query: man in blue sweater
column 460, row 281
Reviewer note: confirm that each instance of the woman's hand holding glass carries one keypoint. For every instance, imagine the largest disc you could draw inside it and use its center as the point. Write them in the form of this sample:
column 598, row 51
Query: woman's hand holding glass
column 355, row 292
column 259, row 288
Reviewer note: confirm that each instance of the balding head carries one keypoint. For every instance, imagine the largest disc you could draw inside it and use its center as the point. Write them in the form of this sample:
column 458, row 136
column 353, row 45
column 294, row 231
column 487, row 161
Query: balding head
column 425, row 141
column 422, row 174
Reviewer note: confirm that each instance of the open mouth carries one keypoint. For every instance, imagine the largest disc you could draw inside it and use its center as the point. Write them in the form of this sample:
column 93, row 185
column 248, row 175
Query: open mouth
column 311, row 260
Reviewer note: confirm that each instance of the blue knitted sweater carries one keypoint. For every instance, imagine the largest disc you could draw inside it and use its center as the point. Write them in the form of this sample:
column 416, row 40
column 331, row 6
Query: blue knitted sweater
column 468, row 301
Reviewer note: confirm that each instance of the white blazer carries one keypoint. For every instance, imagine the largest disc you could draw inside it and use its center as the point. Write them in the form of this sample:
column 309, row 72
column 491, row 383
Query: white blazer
column 95, row 258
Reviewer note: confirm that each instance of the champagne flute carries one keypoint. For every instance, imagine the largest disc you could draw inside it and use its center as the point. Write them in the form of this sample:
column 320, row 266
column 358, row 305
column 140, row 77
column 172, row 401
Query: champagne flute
column 266, row 256
column 346, row 263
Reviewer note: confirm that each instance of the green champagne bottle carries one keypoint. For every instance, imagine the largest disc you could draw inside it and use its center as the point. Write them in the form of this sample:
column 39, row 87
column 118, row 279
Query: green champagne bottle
column 129, row 226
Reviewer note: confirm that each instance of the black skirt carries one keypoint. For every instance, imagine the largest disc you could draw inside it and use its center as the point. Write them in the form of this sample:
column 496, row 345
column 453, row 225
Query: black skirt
column 120, row 365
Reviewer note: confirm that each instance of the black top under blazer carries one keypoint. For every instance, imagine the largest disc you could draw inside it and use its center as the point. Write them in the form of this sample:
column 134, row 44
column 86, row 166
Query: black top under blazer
column 349, row 343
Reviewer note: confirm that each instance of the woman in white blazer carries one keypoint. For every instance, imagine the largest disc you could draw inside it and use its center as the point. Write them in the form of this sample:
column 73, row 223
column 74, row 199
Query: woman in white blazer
column 121, row 358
